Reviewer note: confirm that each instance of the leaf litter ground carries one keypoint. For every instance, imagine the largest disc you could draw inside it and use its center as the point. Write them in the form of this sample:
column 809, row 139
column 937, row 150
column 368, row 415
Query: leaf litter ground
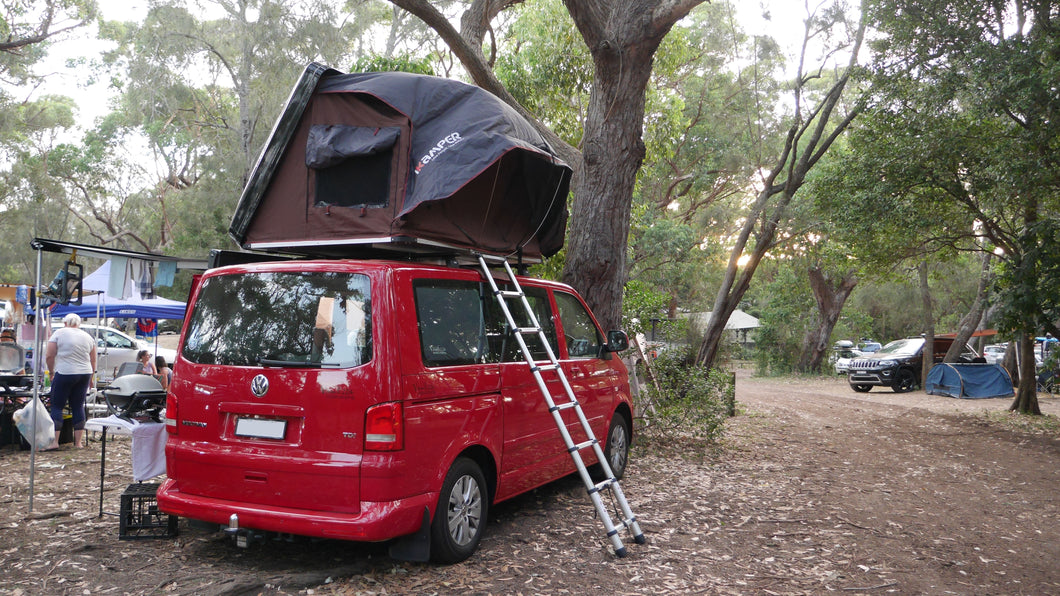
column 815, row 489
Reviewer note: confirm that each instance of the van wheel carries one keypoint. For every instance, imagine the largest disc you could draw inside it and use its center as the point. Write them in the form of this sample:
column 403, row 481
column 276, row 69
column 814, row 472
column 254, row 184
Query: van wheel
column 616, row 449
column 461, row 514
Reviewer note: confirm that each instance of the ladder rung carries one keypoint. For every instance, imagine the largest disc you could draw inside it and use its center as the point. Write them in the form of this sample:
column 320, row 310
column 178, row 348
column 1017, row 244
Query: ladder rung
column 581, row 446
column 528, row 330
column 544, row 367
column 509, row 293
column 565, row 406
column 602, row 485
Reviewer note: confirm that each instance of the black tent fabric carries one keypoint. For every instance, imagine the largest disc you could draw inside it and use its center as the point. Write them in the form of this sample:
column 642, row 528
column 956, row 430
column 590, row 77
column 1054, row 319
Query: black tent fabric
column 361, row 158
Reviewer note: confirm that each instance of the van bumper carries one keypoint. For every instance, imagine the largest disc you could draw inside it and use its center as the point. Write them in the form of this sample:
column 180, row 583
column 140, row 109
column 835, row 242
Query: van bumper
column 377, row 520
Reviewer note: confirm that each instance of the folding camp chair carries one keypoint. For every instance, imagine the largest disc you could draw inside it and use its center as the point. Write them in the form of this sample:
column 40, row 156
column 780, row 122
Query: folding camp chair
column 1047, row 382
column 129, row 368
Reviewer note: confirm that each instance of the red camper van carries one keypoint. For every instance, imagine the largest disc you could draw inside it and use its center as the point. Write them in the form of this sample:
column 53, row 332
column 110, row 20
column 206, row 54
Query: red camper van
column 379, row 399
column 370, row 400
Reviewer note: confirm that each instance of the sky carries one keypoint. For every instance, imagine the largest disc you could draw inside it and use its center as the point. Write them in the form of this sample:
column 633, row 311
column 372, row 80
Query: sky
column 785, row 25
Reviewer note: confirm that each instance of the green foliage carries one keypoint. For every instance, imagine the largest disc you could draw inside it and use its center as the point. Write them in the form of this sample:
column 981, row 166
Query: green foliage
column 545, row 65
column 961, row 143
column 692, row 401
column 640, row 304
column 786, row 306
column 1032, row 282
column 402, row 63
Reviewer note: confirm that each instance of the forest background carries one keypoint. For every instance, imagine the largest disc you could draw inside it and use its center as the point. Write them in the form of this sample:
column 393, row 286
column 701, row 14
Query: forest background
column 883, row 170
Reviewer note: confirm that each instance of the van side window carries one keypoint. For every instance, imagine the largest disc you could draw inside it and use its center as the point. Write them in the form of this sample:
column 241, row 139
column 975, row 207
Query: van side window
column 460, row 323
column 452, row 322
column 538, row 300
column 582, row 337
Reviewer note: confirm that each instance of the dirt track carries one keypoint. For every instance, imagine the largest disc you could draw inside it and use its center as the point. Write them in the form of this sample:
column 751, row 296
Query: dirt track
column 817, row 489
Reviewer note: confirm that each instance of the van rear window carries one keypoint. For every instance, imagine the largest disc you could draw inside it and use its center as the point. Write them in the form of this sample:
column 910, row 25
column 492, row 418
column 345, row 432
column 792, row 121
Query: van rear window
column 301, row 318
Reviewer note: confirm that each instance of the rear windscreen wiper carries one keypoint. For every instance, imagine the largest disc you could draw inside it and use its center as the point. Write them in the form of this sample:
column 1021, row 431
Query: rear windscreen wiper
column 295, row 363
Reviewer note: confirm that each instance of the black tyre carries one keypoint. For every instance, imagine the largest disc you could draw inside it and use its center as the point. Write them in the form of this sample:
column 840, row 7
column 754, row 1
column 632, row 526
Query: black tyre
column 861, row 387
column 460, row 519
column 904, row 381
column 616, row 447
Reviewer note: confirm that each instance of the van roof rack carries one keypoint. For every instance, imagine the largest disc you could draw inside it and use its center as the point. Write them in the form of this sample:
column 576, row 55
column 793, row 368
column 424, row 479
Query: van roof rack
column 396, row 248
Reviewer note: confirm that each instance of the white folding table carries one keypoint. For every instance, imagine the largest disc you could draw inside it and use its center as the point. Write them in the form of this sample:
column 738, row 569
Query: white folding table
column 148, row 447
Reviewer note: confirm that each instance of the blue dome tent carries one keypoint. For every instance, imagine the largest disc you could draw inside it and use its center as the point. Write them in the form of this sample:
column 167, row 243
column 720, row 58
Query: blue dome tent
column 969, row 381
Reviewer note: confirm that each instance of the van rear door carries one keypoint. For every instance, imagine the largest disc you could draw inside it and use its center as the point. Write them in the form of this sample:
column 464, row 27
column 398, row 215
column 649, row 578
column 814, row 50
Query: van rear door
column 275, row 374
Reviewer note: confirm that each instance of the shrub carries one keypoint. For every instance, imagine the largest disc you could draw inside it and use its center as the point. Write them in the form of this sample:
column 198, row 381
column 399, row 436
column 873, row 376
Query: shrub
column 691, row 401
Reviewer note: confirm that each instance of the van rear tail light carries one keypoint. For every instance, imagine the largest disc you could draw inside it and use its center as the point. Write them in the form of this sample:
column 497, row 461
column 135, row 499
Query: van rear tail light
column 384, row 428
column 171, row 414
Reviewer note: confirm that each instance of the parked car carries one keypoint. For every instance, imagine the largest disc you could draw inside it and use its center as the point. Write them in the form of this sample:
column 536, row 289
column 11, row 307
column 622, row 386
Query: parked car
column 114, row 348
column 898, row 364
column 994, row 353
column 842, row 353
column 376, row 400
column 867, row 346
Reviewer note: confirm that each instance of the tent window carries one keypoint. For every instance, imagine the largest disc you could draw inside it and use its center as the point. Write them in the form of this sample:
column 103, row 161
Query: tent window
column 351, row 164
column 356, row 182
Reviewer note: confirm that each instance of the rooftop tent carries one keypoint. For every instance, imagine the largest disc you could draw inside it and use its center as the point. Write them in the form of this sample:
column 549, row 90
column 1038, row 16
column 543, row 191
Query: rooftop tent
column 362, row 163
column 969, row 381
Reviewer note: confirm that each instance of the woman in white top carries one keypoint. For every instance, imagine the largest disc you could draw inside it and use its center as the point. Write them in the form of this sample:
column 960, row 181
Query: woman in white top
column 71, row 360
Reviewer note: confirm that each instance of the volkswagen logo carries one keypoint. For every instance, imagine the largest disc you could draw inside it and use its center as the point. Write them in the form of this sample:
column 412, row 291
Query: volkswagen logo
column 259, row 386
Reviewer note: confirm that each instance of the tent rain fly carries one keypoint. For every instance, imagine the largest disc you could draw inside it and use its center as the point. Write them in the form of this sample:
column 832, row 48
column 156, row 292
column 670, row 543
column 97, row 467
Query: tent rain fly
column 366, row 163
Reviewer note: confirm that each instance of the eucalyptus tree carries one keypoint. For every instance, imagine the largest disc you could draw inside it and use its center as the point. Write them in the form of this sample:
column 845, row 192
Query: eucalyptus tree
column 698, row 166
column 30, row 125
column 622, row 39
column 817, row 118
column 200, row 86
column 964, row 128
column 29, row 25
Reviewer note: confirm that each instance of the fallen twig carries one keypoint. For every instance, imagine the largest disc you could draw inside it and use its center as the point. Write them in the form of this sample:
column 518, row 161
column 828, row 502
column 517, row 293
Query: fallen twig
column 862, row 589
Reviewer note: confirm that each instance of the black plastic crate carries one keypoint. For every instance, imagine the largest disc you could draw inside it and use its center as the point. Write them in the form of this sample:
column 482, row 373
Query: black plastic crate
column 140, row 517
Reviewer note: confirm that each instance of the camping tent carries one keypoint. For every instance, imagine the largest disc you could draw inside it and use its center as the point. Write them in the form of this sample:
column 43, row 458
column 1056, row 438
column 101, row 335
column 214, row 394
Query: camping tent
column 969, row 381
column 365, row 163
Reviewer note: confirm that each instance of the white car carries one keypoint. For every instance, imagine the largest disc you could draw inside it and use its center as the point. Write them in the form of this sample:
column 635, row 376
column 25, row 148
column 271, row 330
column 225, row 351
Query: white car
column 842, row 362
column 115, row 348
column 842, row 353
column 994, row 353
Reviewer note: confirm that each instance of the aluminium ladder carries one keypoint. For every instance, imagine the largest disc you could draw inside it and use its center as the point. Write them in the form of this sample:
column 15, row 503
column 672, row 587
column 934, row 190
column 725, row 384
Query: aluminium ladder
column 552, row 365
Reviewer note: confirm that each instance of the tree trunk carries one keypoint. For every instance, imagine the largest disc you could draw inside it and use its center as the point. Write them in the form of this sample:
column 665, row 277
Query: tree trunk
column 622, row 38
column 612, row 153
column 1010, row 362
column 1026, row 401
column 929, row 324
column 971, row 320
column 830, row 298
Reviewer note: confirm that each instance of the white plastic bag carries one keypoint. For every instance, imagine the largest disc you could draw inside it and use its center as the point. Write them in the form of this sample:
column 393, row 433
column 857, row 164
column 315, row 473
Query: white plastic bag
column 45, row 429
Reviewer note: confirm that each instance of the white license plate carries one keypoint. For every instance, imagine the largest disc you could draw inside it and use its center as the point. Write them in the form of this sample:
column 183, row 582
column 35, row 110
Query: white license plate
column 259, row 428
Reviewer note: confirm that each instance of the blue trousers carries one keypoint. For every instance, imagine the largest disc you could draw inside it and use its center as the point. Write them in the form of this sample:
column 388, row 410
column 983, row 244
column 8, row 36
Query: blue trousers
column 69, row 389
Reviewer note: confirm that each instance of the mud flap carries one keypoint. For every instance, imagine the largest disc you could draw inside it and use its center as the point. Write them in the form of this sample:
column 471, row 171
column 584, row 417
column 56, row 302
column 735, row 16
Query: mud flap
column 414, row 547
